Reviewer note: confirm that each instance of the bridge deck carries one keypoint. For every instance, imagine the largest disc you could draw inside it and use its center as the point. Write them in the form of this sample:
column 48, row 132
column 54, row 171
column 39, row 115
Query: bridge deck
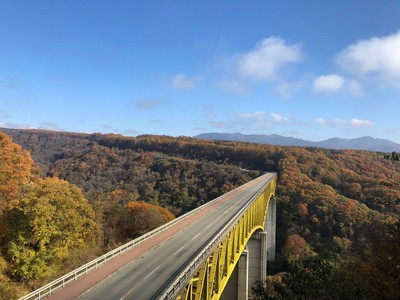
column 147, row 270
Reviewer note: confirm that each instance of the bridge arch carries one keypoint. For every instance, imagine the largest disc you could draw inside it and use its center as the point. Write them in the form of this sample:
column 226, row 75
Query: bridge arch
column 210, row 280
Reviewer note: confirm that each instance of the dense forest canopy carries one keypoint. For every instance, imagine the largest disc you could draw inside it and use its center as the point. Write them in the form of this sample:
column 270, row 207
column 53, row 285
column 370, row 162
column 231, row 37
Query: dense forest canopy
column 337, row 209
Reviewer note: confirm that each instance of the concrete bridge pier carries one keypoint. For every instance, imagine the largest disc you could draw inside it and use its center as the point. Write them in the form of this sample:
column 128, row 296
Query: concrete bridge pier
column 252, row 265
column 257, row 246
column 243, row 276
column 270, row 228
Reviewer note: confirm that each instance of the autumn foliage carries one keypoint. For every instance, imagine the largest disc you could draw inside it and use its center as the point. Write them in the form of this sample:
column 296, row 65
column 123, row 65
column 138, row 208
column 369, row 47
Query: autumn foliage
column 144, row 217
column 50, row 220
column 15, row 170
column 335, row 208
column 41, row 220
column 295, row 245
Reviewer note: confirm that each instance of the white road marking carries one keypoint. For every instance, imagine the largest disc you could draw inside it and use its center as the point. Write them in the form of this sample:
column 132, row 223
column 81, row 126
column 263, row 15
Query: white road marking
column 132, row 289
column 196, row 236
column 151, row 273
column 178, row 250
column 214, row 221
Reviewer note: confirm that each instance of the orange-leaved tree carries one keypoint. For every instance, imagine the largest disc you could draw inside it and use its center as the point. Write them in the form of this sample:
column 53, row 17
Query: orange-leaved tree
column 15, row 170
column 145, row 217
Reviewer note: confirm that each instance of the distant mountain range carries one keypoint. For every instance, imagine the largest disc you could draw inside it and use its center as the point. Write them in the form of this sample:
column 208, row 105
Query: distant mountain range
column 363, row 143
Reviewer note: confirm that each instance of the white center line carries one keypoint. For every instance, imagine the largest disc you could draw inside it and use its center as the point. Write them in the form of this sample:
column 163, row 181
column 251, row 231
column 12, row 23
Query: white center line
column 151, row 273
column 131, row 290
column 178, row 250
column 214, row 221
column 196, row 236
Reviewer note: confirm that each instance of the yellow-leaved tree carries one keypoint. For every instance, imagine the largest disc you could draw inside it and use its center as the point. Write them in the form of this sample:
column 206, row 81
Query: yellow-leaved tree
column 52, row 218
column 16, row 173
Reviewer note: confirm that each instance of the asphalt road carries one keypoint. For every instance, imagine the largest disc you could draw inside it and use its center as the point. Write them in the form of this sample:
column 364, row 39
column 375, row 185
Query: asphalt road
column 150, row 274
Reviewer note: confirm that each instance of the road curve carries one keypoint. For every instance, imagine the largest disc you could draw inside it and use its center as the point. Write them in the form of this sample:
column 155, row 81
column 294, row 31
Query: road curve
column 158, row 261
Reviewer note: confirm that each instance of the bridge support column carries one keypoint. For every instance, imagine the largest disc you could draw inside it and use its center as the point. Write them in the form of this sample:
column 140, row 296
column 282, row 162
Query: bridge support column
column 260, row 249
column 238, row 284
column 263, row 255
column 270, row 228
column 243, row 276
column 257, row 246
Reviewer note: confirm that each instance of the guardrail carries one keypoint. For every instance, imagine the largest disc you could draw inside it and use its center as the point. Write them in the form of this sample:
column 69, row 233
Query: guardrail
column 193, row 267
column 61, row 282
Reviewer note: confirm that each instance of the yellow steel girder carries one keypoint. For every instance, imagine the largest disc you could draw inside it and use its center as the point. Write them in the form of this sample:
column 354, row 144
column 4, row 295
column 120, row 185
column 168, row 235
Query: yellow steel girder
column 214, row 273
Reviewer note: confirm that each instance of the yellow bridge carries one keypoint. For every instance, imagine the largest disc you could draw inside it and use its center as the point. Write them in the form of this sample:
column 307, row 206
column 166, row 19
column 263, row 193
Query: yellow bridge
column 211, row 279
column 214, row 252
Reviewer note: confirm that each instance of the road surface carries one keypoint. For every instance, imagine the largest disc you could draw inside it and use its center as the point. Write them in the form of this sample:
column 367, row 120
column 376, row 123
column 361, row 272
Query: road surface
column 150, row 274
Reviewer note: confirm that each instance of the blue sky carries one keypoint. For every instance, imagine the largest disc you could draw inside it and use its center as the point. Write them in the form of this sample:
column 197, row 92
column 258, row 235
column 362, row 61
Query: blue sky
column 307, row 69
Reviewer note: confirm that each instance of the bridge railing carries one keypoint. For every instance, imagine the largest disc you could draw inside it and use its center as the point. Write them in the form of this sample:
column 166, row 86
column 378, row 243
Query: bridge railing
column 193, row 267
column 61, row 282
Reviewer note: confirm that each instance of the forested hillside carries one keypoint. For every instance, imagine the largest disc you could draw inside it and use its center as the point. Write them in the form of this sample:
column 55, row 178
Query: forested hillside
column 337, row 210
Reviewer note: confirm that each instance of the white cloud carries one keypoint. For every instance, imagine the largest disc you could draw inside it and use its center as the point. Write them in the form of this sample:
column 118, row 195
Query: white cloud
column 379, row 56
column 262, row 119
column 232, row 86
column 278, row 118
column 355, row 88
column 340, row 122
column 324, row 122
column 268, row 57
column 253, row 117
column 247, row 120
column 361, row 123
column 333, row 83
column 328, row 83
column 184, row 82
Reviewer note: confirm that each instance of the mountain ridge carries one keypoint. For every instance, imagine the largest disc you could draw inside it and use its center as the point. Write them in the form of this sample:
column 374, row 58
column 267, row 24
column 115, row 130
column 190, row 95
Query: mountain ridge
column 362, row 143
